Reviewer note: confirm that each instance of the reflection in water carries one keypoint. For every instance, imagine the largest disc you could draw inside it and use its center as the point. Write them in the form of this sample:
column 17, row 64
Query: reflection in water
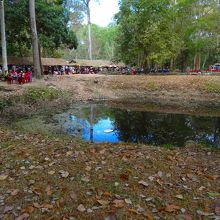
column 102, row 124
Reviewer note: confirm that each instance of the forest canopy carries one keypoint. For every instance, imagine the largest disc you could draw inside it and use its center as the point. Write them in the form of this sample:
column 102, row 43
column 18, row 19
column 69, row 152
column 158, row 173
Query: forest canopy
column 175, row 34
column 52, row 24
column 172, row 33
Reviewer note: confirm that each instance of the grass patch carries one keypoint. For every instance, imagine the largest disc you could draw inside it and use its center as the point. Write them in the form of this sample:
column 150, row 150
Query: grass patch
column 5, row 103
column 212, row 87
column 35, row 94
column 152, row 86
column 168, row 146
column 5, row 144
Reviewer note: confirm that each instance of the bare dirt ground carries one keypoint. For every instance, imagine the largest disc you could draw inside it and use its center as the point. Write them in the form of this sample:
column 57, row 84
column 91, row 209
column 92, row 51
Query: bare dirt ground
column 182, row 90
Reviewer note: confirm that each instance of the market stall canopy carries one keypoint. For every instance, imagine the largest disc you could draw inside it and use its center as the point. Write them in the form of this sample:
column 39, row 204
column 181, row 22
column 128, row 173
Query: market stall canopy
column 29, row 61
column 95, row 63
column 61, row 62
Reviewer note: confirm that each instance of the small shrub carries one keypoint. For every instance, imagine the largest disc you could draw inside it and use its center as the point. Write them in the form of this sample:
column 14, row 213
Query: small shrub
column 5, row 103
column 34, row 94
column 168, row 146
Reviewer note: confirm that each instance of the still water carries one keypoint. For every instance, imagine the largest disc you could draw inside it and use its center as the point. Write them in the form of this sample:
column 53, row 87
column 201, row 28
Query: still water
column 100, row 123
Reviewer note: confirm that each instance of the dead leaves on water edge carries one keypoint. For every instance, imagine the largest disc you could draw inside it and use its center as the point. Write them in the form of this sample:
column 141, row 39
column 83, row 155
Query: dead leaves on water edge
column 107, row 181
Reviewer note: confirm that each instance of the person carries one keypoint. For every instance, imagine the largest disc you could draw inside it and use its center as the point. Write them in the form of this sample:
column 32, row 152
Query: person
column 20, row 77
column 9, row 78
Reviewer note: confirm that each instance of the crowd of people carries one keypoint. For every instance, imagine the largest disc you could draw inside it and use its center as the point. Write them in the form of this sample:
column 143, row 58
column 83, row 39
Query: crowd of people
column 23, row 74
column 17, row 74
column 67, row 70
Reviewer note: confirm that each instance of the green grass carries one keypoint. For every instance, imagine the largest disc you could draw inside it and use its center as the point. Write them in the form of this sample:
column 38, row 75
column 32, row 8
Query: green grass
column 168, row 146
column 34, row 94
column 152, row 86
column 212, row 87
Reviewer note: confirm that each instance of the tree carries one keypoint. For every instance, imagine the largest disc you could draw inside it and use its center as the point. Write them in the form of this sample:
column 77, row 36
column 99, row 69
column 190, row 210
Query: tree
column 174, row 33
column 86, row 3
column 103, row 42
column 35, row 43
column 53, row 25
column 3, row 37
column 85, row 8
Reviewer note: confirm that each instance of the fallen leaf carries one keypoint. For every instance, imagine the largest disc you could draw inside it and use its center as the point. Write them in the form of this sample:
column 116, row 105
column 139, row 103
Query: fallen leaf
column 48, row 206
column 23, row 216
column 201, row 188
column 124, row 177
column 52, row 172
column 30, row 209
column 199, row 212
column 15, row 192
column 73, row 196
column 64, row 174
column 189, row 175
column 48, row 191
column 143, row 183
column 107, row 194
column 85, row 179
column 133, row 211
column 148, row 215
column 179, row 196
column 69, row 153
column 3, row 177
column 128, row 201
column 103, row 202
column 8, row 209
column 184, row 217
column 151, row 178
column 213, row 194
column 159, row 182
column 81, row 208
column 88, row 168
column 37, row 205
column 212, row 177
column 172, row 208
column 118, row 203
column 217, row 210
column 110, row 217
column 170, row 158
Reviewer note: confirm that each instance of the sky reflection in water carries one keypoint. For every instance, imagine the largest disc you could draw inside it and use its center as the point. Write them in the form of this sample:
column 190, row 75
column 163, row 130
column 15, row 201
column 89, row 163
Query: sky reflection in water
column 145, row 127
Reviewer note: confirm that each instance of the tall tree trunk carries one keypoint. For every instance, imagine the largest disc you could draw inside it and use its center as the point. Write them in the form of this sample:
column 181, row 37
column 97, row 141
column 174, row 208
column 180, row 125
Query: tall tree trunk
column 3, row 38
column 197, row 61
column 35, row 43
column 89, row 30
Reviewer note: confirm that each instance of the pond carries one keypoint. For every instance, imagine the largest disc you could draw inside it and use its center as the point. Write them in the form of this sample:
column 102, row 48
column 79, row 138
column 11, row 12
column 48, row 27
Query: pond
column 102, row 123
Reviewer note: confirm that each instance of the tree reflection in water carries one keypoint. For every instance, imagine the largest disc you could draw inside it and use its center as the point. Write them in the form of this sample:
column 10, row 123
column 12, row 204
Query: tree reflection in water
column 163, row 129
column 145, row 127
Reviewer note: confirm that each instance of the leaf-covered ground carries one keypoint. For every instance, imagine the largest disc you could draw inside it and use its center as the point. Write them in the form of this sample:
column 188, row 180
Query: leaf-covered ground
column 47, row 178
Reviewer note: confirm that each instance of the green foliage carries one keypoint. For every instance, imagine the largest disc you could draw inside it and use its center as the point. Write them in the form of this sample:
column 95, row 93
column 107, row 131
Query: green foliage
column 168, row 146
column 52, row 24
column 103, row 44
column 34, row 94
column 158, row 33
column 5, row 103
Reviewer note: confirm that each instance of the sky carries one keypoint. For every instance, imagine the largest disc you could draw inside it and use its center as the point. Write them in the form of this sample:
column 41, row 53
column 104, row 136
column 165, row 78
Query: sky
column 103, row 12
